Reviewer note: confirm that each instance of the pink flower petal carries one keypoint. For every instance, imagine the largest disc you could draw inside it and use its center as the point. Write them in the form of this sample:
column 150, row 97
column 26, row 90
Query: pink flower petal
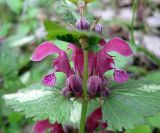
column 102, row 42
column 61, row 64
column 41, row 126
column 44, row 50
column 120, row 76
column 77, row 58
column 49, row 80
column 57, row 128
column 94, row 119
column 104, row 63
column 67, row 92
column 118, row 45
column 92, row 63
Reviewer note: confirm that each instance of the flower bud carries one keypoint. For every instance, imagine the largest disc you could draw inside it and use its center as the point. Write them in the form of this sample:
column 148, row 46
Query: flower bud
column 82, row 24
column 105, row 92
column 75, row 85
column 98, row 29
column 94, row 86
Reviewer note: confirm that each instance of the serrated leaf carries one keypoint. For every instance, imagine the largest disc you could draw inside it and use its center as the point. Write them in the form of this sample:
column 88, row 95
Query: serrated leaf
column 57, row 31
column 41, row 103
column 130, row 103
column 154, row 121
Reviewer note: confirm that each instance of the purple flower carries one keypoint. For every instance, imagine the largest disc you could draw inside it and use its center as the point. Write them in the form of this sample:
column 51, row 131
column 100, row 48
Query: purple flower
column 82, row 24
column 73, row 87
column 44, row 125
column 98, row 28
column 94, row 121
column 98, row 64
column 57, row 128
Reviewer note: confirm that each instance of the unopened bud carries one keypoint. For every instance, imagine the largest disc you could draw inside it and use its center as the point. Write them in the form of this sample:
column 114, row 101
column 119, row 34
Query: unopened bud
column 82, row 24
column 75, row 85
column 105, row 92
column 94, row 86
column 98, row 29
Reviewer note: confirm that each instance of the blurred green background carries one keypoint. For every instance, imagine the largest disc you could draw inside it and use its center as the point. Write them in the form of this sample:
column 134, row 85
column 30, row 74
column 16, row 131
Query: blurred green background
column 21, row 30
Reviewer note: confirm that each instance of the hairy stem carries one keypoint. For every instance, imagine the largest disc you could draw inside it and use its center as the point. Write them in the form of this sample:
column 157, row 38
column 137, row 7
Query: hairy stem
column 85, row 100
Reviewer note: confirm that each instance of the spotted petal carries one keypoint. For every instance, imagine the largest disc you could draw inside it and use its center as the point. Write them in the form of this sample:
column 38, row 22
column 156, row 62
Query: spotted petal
column 118, row 45
column 49, row 79
column 43, row 50
column 120, row 76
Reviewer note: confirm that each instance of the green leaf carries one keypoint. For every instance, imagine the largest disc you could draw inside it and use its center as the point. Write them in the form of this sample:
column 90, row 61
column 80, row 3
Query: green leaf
column 92, row 105
column 74, row 1
column 140, row 129
column 69, row 16
column 57, row 31
column 154, row 121
column 153, row 76
column 15, row 6
column 5, row 29
column 86, row 1
column 130, row 103
column 89, row 1
column 8, row 61
column 41, row 103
